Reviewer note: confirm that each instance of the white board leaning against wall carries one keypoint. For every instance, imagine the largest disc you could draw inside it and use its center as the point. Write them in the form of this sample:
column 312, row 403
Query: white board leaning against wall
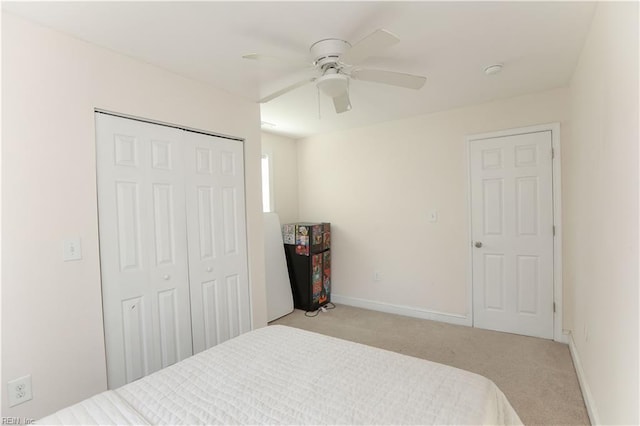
column 279, row 295
column 173, row 252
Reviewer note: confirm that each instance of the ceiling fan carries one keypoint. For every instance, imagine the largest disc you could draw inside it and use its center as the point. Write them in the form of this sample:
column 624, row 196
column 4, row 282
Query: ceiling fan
column 336, row 63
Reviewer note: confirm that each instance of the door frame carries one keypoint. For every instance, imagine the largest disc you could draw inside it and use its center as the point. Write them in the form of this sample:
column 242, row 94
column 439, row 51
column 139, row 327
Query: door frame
column 554, row 128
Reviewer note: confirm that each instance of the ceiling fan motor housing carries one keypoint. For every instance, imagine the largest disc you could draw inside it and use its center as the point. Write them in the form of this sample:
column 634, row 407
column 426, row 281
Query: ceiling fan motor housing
column 326, row 53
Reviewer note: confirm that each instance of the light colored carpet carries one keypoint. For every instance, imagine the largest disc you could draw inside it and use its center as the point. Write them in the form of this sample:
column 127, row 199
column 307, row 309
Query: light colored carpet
column 536, row 375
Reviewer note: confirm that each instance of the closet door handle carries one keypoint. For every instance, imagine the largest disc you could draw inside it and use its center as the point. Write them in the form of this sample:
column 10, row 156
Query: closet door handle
column 167, row 277
column 209, row 269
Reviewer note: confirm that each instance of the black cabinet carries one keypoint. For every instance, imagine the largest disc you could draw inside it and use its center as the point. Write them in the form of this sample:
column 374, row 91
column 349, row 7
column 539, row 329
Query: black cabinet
column 308, row 253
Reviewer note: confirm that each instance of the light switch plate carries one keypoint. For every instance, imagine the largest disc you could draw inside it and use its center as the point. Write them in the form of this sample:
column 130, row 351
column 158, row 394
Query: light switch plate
column 433, row 216
column 71, row 249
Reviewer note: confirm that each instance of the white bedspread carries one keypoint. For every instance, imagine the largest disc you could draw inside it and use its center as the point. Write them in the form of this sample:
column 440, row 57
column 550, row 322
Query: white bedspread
column 283, row 375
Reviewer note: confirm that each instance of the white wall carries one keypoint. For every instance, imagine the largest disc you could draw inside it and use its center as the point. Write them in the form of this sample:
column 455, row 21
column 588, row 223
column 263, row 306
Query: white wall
column 376, row 185
column 601, row 212
column 284, row 163
column 51, row 83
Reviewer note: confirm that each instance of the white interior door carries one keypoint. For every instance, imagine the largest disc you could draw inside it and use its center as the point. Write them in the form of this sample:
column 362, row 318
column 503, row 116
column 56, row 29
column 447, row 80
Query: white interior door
column 512, row 232
column 217, row 239
column 143, row 247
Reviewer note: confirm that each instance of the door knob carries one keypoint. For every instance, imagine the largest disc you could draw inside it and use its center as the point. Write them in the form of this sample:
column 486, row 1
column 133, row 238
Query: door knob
column 166, row 277
column 209, row 269
column 478, row 244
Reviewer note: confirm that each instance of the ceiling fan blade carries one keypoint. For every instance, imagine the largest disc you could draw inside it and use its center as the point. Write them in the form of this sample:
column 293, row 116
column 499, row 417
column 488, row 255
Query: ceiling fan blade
column 286, row 89
column 275, row 59
column 409, row 81
column 369, row 46
column 342, row 103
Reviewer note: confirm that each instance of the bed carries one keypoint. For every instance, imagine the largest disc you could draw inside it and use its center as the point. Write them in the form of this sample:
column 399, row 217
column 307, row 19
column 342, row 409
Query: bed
column 283, row 375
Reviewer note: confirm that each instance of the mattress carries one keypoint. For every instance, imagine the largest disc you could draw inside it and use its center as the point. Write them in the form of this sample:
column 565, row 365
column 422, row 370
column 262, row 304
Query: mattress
column 283, row 375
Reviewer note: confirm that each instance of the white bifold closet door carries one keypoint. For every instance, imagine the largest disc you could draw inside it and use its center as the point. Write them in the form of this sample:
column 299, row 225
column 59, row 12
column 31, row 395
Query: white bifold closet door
column 217, row 239
column 172, row 244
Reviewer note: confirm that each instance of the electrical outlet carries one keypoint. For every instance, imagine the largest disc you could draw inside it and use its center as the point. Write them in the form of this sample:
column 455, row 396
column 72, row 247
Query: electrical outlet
column 19, row 390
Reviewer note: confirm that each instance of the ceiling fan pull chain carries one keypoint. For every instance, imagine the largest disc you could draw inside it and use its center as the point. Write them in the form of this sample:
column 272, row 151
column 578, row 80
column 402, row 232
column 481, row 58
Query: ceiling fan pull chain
column 318, row 96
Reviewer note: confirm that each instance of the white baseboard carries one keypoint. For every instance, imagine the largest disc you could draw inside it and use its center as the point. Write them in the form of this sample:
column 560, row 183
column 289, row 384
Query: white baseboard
column 564, row 337
column 408, row 311
column 584, row 386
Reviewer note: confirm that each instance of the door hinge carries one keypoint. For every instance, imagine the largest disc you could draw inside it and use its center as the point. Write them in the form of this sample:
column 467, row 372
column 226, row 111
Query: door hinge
column 554, row 307
column 553, row 153
column 553, row 228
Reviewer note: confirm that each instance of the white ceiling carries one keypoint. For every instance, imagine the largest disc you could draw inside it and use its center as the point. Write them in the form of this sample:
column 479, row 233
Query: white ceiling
column 449, row 42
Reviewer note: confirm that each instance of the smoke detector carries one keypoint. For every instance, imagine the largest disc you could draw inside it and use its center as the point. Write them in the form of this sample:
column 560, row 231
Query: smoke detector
column 493, row 69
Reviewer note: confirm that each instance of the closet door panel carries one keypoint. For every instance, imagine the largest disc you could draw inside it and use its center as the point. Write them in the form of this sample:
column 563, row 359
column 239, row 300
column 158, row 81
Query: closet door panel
column 143, row 247
column 217, row 232
column 169, row 276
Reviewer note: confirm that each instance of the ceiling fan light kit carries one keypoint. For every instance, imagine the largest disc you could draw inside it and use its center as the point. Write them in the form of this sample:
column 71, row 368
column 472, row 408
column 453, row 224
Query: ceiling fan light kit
column 335, row 60
column 333, row 84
